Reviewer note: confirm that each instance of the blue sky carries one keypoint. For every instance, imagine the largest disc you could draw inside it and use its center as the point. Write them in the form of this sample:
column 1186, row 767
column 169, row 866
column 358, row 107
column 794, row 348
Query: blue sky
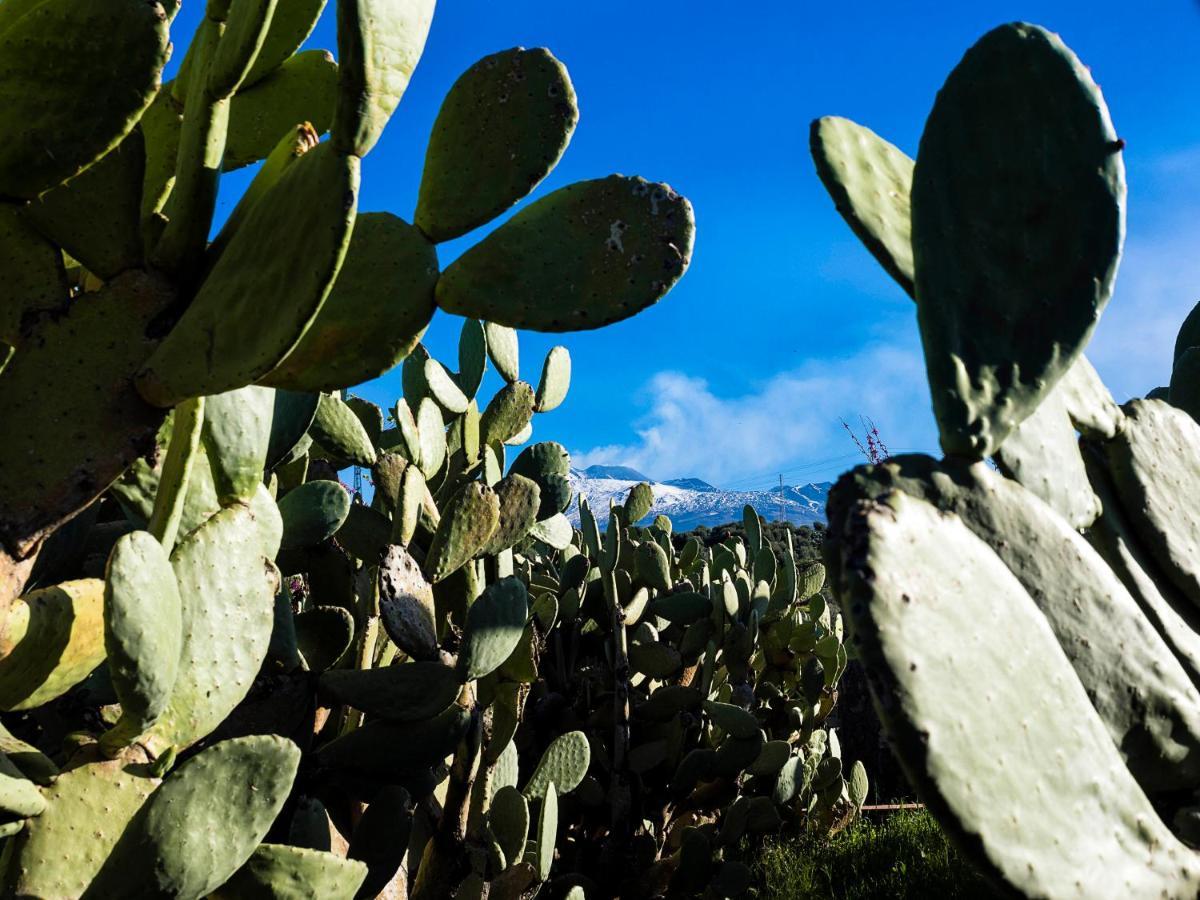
column 784, row 323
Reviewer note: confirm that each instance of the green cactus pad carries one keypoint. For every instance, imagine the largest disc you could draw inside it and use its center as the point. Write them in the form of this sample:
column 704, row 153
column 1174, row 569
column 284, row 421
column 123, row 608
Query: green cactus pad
column 53, row 639
column 508, row 819
column 547, row 833
column 501, row 129
column 52, row 466
column 504, row 350
column 955, row 641
column 639, row 503
column 228, row 593
column 507, row 413
column 563, row 765
column 869, row 181
column 653, row 566
column 338, row 430
column 245, row 28
column 67, row 98
column 1099, row 626
column 291, row 417
column 143, row 628
column 547, row 463
column 280, row 872
column 443, row 388
column 88, row 808
column 381, row 838
column 406, row 604
column 221, row 343
column 1171, row 613
column 993, row 184
column 858, row 785
column 1151, row 461
column 19, row 797
column 378, row 309
column 431, row 435
column 1042, row 453
column 324, row 636
column 390, row 750
column 733, row 720
column 467, row 524
column 237, row 435
column 555, row 381
column 204, row 822
column 31, row 268
column 1189, row 333
column 1091, row 407
column 1185, row 382
column 472, row 356
column 402, row 693
column 290, row 25
column 555, row 531
column 582, row 257
column 494, row 626
column 96, row 217
column 303, row 89
column 137, row 488
column 161, row 125
column 379, row 44
column 313, row 513
column 28, row 759
column 519, row 498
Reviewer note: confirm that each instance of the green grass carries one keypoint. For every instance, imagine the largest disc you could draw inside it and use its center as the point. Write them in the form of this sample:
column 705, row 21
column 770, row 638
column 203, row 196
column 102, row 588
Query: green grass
column 902, row 856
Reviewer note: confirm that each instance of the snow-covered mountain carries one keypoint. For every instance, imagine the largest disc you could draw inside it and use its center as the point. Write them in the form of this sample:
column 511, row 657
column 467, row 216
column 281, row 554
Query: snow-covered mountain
column 690, row 502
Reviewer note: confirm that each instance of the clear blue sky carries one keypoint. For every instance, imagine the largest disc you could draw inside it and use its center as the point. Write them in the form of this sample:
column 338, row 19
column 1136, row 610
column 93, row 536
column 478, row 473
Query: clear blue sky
column 783, row 323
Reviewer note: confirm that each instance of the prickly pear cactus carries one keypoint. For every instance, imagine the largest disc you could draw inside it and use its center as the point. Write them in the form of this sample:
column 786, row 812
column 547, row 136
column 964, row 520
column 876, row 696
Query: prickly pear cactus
column 1012, row 620
column 224, row 674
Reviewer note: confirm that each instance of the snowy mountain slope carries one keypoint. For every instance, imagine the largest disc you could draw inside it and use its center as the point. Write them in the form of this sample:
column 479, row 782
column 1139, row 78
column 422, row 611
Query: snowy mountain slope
column 690, row 502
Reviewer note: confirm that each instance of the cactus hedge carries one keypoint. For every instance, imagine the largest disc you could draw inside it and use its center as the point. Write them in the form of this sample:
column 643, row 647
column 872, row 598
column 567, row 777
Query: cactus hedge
column 220, row 673
column 1030, row 633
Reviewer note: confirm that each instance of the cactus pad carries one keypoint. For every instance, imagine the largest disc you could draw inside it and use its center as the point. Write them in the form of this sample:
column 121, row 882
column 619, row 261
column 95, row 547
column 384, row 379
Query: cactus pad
column 88, row 808
column 228, row 591
column 312, row 513
column 1152, row 467
column 378, row 309
column 495, row 623
column 53, row 639
column 96, row 217
column 402, row 693
column 100, row 424
column 406, row 604
column 379, row 44
column 237, row 435
column 467, row 523
column 869, row 181
column 143, row 628
column 67, row 98
column 280, row 872
column 582, row 257
column 563, row 765
column 501, row 129
column 204, row 822
column 221, row 342
column 303, row 89
column 992, row 185
column 955, row 640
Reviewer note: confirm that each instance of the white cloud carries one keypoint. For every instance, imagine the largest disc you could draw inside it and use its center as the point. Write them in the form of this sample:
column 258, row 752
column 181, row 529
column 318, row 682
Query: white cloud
column 791, row 419
column 1158, row 284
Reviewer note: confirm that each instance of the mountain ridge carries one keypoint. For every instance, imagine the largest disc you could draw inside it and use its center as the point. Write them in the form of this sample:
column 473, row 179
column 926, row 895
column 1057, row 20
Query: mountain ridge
column 690, row 502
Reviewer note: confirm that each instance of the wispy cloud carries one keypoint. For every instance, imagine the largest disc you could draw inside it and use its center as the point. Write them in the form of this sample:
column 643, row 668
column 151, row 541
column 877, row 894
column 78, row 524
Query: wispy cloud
column 790, row 420
column 1158, row 285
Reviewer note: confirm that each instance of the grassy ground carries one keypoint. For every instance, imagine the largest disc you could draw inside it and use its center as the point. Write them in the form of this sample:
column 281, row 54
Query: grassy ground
column 902, row 856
